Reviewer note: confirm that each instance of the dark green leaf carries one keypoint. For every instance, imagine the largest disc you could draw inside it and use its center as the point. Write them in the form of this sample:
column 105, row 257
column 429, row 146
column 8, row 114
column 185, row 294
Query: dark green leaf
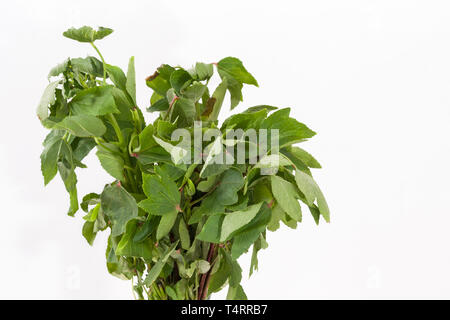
column 160, row 105
column 144, row 231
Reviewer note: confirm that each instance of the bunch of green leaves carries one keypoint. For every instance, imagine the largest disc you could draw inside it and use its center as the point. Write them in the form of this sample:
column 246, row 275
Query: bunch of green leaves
column 175, row 229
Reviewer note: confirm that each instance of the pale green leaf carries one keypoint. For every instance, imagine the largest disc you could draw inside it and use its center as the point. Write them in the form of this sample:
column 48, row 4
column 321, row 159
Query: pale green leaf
column 87, row 34
column 119, row 206
column 82, row 126
column 287, row 197
column 312, row 192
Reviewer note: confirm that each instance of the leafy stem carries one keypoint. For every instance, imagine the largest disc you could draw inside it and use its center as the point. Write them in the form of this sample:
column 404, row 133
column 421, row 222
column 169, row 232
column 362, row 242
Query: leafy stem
column 103, row 60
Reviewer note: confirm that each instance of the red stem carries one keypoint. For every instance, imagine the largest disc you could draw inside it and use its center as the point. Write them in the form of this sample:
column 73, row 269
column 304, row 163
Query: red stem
column 204, row 281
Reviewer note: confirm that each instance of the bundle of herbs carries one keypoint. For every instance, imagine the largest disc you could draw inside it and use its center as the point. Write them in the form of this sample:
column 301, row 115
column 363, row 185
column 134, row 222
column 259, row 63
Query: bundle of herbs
column 188, row 196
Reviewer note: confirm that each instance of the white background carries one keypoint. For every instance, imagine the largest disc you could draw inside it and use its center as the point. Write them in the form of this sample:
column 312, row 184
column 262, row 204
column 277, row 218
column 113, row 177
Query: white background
column 371, row 77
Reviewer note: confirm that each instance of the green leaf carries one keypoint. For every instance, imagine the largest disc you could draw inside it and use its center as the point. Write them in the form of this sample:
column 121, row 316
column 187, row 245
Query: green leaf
column 82, row 126
column 131, row 80
column 95, row 101
column 87, row 34
column 166, row 224
column 215, row 150
column 171, row 293
column 88, row 232
column 81, row 148
column 224, row 194
column 220, row 277
column 177, row 153
column 236, row 220
column 203, row 71
column 66, row 169
column 217, row 98
column 206, row 185
column 305, row 157
column 259, row 108
column 119, row 206
column 117, row 76
column 183, row 110
column 184, row 235
column 233, row 68
column 159, row 81
column 93, row 214
column 47, row 99
column 236, row 270
column 163, row 195
column 156, row 269
column 195, row 91
column 236, row 293
column 160, row 105
column 158, row 84
column 146, row 229
column 180, row 79
column 163, row 200
column 172, row 171
column 290, row 130
column 58, row 69
column 50, row 155
column 286, row 196
column 245, row 120
column 146, row 140
column 89, row 65
column 235, row 89
column 250, row 233
column 89, row 199
column 312, row 192
column 258, row 245
column 164, row 129
column 211, row 230
column 129, row 248
column 112, row 162
column 117, row 266
column 276, row 217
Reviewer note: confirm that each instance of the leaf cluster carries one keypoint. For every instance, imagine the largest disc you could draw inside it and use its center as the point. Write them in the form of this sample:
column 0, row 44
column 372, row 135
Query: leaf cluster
column 176, row 228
